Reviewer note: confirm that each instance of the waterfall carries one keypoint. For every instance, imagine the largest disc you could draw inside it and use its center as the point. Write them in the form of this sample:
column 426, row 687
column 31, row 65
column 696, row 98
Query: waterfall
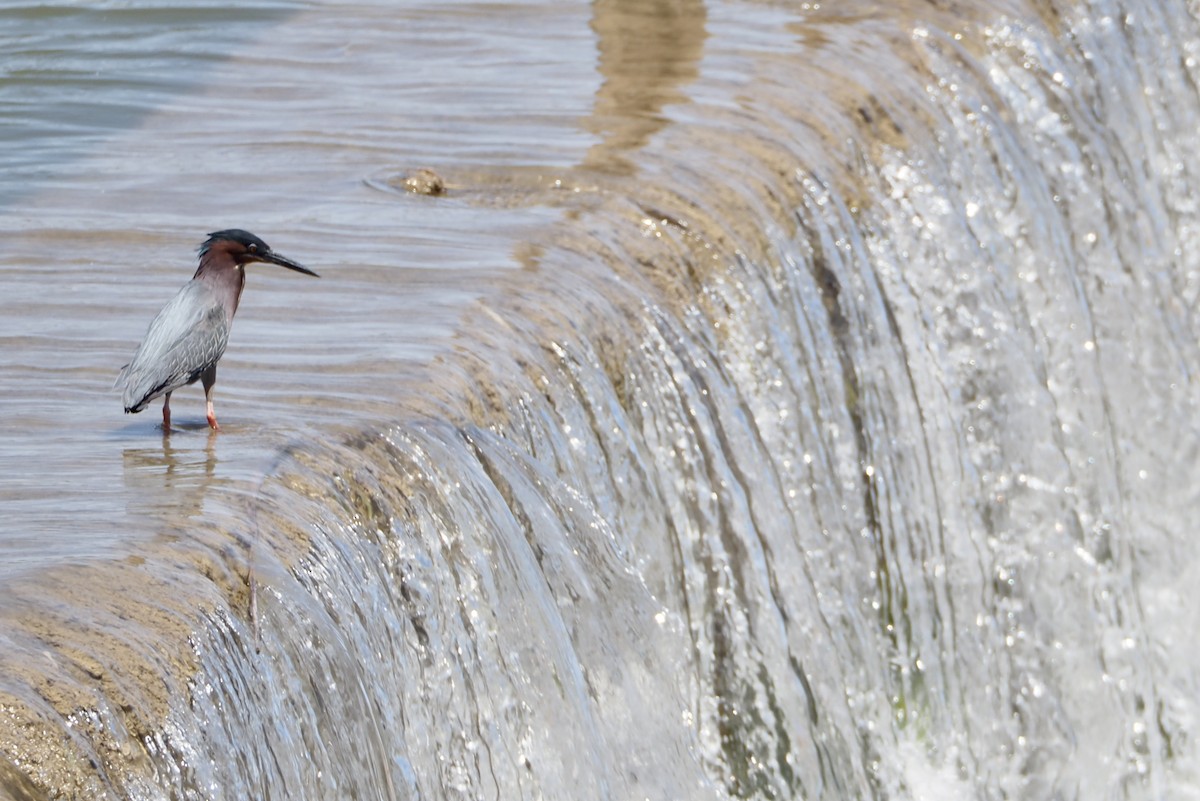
column 839, row 441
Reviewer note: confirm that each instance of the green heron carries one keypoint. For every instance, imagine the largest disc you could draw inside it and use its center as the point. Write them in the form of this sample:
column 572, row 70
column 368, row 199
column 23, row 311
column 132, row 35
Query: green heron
column 188, row 337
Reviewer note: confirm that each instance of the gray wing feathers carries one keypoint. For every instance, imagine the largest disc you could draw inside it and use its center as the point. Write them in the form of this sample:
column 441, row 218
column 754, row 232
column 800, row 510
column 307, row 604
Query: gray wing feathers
column 186, row 338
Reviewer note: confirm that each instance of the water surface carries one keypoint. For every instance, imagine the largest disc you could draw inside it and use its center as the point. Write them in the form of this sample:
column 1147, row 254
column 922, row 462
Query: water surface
column 782, row 401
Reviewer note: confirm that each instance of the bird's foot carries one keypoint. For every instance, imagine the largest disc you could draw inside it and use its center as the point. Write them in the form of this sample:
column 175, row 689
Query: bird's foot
column 208, row 409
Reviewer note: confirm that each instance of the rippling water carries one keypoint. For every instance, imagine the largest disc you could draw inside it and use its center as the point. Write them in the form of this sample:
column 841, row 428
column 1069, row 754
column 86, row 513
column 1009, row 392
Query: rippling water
column 782, row 401
column 138, row 131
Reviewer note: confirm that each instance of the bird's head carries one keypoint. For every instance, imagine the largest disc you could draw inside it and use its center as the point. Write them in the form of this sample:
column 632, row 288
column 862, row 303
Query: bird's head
column 237, row 248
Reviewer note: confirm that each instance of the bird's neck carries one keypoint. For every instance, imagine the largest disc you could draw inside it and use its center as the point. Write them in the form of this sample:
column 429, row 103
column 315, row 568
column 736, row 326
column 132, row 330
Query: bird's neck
column 225, row 279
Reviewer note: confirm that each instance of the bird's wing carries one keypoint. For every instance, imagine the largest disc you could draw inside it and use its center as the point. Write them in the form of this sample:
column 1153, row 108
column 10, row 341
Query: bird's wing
column 186, row 338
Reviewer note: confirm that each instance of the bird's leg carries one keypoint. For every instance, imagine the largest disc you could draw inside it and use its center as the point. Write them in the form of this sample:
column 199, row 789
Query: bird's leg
column 209, row 380
column 167, row 413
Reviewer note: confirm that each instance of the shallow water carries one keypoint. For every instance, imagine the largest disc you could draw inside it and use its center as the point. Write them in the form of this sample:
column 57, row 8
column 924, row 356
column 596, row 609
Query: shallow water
column 781, row 401
column 138, row 132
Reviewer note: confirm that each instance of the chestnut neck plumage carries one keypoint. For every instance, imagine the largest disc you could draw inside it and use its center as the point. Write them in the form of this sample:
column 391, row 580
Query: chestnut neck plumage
column 220, row 272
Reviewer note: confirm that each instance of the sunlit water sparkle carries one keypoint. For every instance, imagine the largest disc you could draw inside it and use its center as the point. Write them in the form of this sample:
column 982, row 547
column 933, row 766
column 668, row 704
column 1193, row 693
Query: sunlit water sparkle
column 781, row 402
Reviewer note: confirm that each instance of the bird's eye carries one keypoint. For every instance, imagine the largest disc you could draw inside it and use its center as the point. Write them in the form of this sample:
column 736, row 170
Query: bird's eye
column 253, row 248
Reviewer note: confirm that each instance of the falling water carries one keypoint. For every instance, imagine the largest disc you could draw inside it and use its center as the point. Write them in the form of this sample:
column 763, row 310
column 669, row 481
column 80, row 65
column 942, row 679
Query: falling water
column 837, row 438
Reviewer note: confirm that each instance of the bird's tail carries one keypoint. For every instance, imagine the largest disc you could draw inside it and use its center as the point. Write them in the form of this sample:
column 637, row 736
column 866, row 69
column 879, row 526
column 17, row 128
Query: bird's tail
column 124, row 383
column 121, row 376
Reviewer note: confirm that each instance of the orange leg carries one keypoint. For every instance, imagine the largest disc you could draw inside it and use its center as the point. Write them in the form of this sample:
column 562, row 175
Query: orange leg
column 209, row 379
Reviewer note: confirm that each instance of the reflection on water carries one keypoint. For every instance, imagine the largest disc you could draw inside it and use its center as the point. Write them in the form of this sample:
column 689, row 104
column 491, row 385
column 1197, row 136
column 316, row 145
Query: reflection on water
column 826, row 445
column 168, row 481
column 649, row 52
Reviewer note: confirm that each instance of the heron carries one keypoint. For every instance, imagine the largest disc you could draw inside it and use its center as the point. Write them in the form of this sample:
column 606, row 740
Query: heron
column 188, row 337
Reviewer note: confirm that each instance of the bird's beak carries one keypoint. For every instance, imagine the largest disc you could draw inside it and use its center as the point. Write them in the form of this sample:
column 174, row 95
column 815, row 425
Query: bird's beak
column 284, row 261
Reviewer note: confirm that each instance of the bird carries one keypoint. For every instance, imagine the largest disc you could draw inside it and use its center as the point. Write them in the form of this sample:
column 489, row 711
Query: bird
column 188, row 337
